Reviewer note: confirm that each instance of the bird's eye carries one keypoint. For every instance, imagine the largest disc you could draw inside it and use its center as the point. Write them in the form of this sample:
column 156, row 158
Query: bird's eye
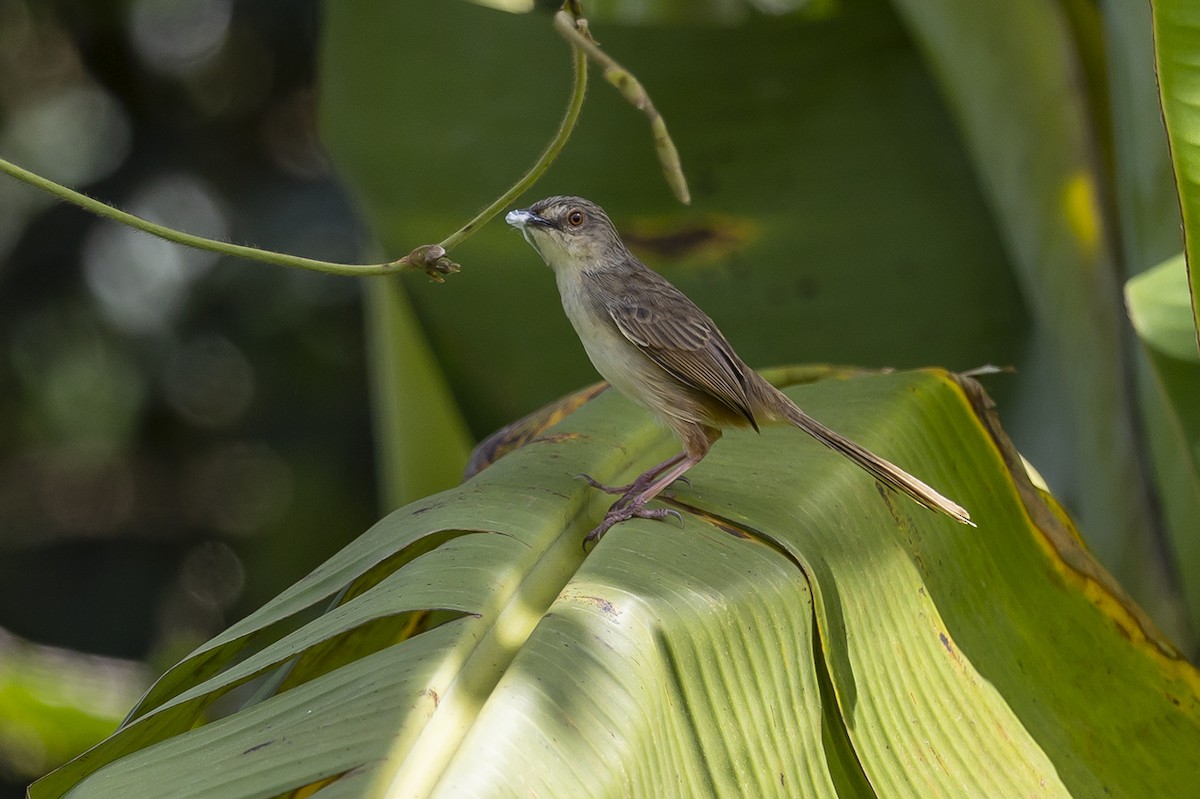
column 575, row 218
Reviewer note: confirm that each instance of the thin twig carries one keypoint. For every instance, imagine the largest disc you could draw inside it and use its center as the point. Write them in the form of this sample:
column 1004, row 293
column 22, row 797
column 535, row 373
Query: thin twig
column 574, row 29
column 199, row 242
column 544, row 161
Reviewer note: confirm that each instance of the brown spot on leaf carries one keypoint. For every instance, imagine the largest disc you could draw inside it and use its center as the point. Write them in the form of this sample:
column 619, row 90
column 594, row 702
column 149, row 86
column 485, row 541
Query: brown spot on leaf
column 707, row 239
column 555, row 439
column 605, row 605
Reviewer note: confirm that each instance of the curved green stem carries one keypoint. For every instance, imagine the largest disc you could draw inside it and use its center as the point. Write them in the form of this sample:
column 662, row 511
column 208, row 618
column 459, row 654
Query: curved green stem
column 187, row 239
column 547, row 157
column 429, row 257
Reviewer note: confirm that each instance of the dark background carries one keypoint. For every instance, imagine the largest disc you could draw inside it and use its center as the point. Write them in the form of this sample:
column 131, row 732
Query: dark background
column 181, row 436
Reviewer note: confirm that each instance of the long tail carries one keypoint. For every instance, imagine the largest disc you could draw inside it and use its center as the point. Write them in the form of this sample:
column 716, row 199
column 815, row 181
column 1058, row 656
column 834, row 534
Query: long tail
column 887, row 473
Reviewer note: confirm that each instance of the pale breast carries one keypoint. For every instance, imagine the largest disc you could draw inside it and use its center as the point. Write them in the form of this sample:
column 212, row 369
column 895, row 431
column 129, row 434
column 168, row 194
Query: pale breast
column 614, row 357
column 621, row 363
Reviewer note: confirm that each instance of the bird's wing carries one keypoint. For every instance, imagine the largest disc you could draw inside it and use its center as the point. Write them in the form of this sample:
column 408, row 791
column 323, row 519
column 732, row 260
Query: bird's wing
column 664, row 324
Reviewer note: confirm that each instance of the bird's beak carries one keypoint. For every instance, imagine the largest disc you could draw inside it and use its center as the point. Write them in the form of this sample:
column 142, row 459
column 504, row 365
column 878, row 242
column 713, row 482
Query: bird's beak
column 523, row 216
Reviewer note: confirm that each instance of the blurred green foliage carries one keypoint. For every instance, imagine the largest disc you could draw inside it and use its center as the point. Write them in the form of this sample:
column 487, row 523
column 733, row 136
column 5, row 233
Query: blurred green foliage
column 180, row 437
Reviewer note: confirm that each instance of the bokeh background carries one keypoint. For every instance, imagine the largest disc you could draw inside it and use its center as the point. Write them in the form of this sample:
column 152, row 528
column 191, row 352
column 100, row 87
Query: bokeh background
column 182, row 436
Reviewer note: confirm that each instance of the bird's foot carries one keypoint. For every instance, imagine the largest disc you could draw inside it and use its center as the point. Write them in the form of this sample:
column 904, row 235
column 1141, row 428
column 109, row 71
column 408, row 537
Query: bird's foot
column 623, row 510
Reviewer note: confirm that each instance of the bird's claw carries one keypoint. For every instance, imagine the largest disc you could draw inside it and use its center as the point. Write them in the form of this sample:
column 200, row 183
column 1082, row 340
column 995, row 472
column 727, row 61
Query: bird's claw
column 624, row 512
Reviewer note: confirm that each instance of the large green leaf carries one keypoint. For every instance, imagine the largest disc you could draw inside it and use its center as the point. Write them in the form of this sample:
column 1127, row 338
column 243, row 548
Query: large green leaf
column 1160, row 309
column 420, row 435
column 1148, row 208
column 55, row 703
column 1176, row 30
column 803, row 632
column 1012, row 73
column 1144, row 185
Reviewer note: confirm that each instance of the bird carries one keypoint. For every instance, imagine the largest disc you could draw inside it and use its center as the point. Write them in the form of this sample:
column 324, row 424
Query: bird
column 657, row 348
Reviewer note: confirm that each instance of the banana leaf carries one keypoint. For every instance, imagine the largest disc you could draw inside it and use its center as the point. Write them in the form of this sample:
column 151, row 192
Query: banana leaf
column 1176, row 23
column 1028, row 120
column 1160, row 310
column 800, row 632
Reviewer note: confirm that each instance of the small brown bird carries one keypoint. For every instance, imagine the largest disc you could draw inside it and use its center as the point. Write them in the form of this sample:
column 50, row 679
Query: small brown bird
column 652, row 343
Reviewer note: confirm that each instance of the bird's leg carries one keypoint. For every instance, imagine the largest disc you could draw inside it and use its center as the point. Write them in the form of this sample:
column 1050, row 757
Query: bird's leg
column 627, row 492
column 633, row 504
column 697, row 438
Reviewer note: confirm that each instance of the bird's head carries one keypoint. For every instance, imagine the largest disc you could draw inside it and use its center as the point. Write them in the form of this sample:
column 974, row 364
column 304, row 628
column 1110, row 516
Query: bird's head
column 568, row 232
